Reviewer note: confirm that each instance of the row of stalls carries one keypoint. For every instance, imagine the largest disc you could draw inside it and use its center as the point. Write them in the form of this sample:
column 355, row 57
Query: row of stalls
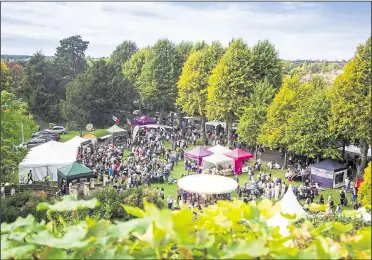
column 219, row 156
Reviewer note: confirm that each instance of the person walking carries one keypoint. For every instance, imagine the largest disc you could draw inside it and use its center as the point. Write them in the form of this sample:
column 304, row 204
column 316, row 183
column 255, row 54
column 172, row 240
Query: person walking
column 170, row 202
column 29, row 177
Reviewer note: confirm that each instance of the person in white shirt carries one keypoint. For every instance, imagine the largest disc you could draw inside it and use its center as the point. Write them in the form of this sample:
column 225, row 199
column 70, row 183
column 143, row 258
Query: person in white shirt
column 170, row 202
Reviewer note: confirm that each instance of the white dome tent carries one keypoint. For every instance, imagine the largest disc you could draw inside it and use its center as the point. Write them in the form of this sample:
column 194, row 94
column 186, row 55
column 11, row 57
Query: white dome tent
column 217, row 159
column 207, row 184
column 219, row 149
column 289, row 205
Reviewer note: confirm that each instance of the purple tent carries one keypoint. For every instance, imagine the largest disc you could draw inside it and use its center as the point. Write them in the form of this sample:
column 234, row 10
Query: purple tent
column 144, row 120
column 198, row 153
column 329, row 173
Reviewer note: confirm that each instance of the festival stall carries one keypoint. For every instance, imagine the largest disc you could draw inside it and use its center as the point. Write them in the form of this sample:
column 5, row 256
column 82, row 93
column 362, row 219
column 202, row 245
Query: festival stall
column 74, row 171
column 197, row 154
column 355, row 150
column 239, row 157
column 144, row 120
column 329, row 173
column 219, row 149
column 207, row 184
column 288, row 205
column 116, row 129
column 46, row 159
column 215, row 160
column 76, row 141
column 214, row 124
column 153, row 126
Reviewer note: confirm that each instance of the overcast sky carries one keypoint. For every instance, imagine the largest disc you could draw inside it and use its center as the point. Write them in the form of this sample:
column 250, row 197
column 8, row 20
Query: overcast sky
column 315, row 30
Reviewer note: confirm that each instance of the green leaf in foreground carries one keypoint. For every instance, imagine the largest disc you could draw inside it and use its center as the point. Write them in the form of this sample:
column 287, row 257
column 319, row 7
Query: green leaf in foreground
column 68, row 204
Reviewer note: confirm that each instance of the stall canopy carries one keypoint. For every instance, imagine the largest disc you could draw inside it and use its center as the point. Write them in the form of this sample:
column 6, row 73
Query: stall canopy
column 77, row 140
column 207, row 184
column 198, row 153
column 239, row 156
column 116, row 129
column 215, row 123
column 288, row 205
column 144, row 120
column 356, row 150
column 329, row 173
column 46, row 159
column 73, row 172
column 219, row 149
column 89, row 136
column 216, row 159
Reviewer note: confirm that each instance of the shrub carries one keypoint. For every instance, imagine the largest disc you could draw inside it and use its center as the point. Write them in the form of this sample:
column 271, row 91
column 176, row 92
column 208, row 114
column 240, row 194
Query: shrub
column 364, row 193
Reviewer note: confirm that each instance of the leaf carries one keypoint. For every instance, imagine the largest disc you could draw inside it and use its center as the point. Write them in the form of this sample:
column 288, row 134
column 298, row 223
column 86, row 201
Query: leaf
column 317, row 207
column 243, row 249
column 68, row 204
column 124, row 229
column 340, row 228
column 17, row 252
column 136, row 212
column 288, row 216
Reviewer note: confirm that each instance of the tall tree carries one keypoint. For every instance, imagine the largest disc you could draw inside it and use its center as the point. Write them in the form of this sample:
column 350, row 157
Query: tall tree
column 157, row 83
column 70, row 56
column 15, row 119
column 254, row 115
column 267, row 63
column 16, row 75
column 350, row 97
column 193, row 82
column 307, row 131
column 184, row 50
column 198, row 46
column 5, row 77
column 122, row 54
column 95, row 95
column 230, row 84
column 274, row 130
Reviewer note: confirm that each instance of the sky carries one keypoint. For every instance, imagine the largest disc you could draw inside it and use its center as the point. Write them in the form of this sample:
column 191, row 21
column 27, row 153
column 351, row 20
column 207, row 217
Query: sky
column 307, row 30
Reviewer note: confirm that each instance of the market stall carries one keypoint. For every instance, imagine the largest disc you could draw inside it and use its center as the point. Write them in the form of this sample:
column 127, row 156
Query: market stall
column 219, row 149
column 144, row 120
column 197, row 154
column 74, row 171
column 216, row 160
column 329, row 173
column 239, row 157
column 207, row 184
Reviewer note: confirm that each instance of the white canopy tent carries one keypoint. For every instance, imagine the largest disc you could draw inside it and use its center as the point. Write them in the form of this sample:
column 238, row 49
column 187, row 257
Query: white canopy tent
column 217, row 159
column 289, row 205
column 215, row 123
column 47, row 158
column 115, row 129
column 156, row 126
column 77, row 140
column 356, row 150
column 219, row 149
column 207, row 184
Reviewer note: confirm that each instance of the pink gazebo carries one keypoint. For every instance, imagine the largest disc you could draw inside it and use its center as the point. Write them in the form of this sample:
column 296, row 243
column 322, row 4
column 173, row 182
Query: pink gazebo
column 239, row 156
column 197, row 154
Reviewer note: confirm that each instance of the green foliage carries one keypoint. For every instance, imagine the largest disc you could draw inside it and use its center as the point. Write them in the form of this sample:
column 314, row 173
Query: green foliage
column 97, row 94
column 254, row 114
column 227, row 230
column 5, row 77
column 350, row 97
column 122, row 53
column 364, row 193
column 14, row 113
column 267, row 63
column 231, row 83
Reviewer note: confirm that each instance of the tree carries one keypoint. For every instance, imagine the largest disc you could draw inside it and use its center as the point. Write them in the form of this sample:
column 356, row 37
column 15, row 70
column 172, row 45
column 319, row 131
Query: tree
column 157, row 83
column 184, row 50
column 122, row 54
column 199, row 46
column 97, row 94
column 132, row 70
column 5, row 77
column 307, row 131
column 39, row 88
column 16, row 75
column 254, row 115
column 267, row 63
column 350, row 97
column 193, row 82
column 274, row 130
column 14, row 114
column 364, row 193
column 70, row 56
column 230, row 84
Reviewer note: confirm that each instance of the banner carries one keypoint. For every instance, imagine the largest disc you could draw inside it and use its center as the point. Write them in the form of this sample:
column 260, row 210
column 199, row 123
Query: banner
column 321, row 173
column 135, row 131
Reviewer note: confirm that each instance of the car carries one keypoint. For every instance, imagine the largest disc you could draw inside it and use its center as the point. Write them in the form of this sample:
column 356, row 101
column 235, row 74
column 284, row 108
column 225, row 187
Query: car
column 35, row 142
column 59, row 130
column 46, row 134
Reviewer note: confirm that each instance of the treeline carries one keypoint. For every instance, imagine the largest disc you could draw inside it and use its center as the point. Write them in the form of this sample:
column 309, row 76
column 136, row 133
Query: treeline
column 311, row 67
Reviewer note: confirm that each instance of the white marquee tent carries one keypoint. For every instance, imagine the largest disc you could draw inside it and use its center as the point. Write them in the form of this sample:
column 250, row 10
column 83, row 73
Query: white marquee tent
column 215, row 123
column 216, row 159
column 219, row 149
column 356, row 150
column 47, row 158
column 207, row 184
column 77, row 140
column 289, row 205
column 115, row 129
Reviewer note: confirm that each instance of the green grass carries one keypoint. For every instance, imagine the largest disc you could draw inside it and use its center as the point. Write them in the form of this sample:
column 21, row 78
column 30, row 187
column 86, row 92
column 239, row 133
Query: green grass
column 72, row 134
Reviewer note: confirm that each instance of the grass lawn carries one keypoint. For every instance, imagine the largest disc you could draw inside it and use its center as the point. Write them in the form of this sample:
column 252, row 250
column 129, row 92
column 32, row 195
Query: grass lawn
column 72, row 134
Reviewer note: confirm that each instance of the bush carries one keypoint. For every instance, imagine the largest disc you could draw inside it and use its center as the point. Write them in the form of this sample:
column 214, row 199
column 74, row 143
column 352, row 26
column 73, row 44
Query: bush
column 364, row 193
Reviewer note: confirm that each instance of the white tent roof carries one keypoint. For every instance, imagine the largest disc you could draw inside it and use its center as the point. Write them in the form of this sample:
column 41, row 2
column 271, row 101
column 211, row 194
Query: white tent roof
column 77, row 140
column 207, row 184
column 356, row 150
column 219, row 149
column 156, row 126
column 364, row 215
column 115, row 129
column 216, row 159
column 215, row 123
column 279, row 221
